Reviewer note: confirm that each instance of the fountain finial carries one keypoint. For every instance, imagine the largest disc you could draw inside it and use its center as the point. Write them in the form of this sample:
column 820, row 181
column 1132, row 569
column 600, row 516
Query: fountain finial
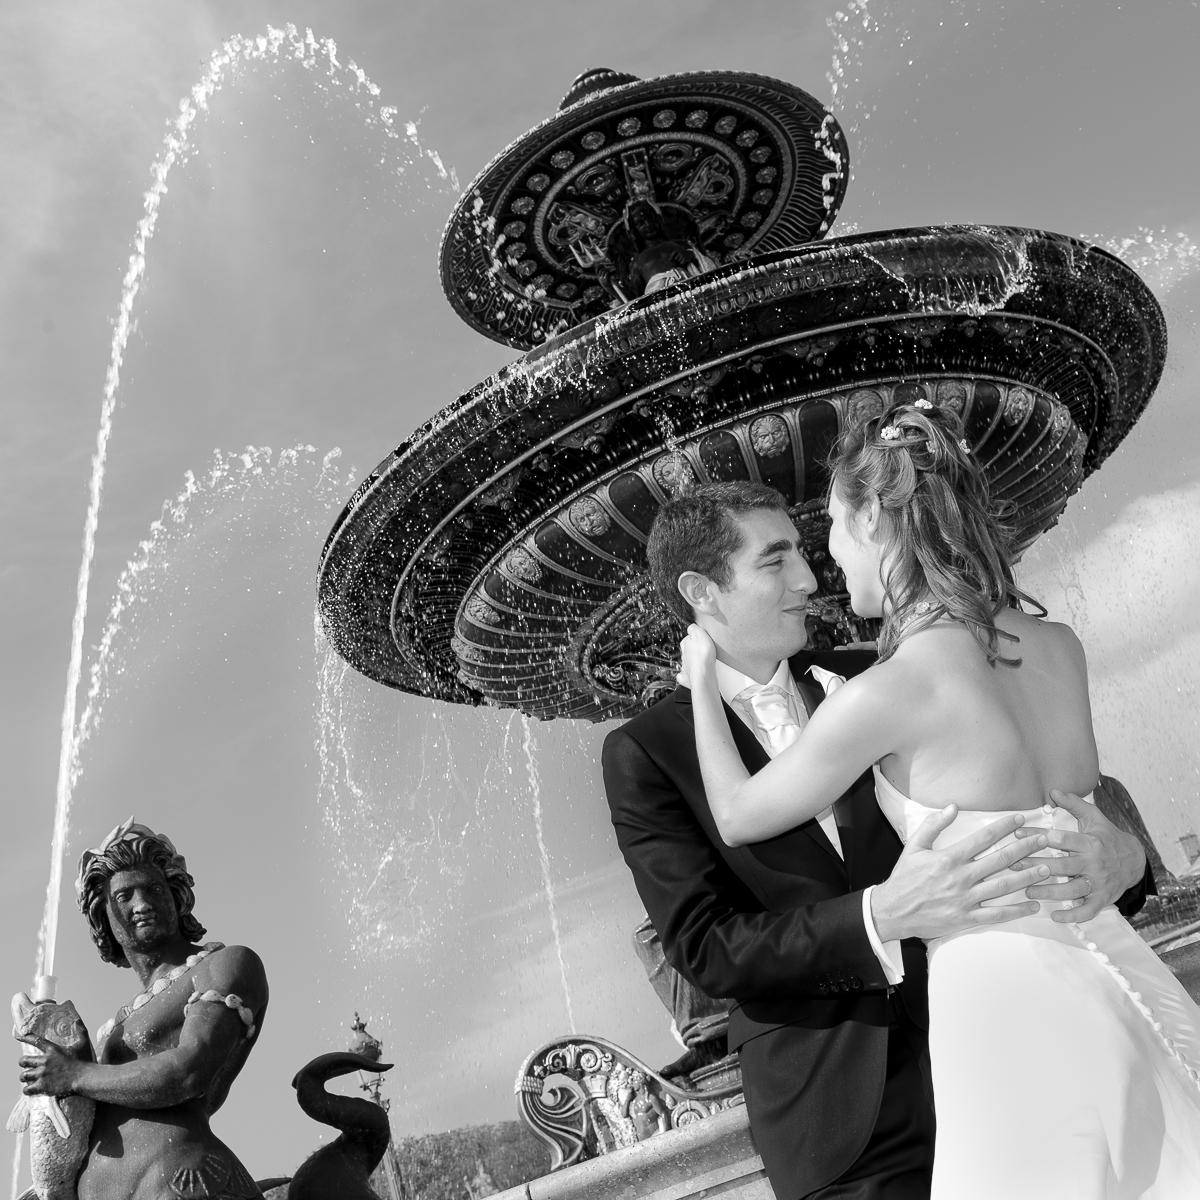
column 363, row 1042
column 597, row 79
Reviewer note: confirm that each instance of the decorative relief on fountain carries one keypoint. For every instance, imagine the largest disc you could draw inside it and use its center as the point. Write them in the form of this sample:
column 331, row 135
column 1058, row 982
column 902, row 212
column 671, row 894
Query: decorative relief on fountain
column 584, row 1097
column 589, row 517
column 769, row 437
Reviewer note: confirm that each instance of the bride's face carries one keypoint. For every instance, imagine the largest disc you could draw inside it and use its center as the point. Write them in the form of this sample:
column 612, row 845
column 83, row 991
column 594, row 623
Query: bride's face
column 855, row 545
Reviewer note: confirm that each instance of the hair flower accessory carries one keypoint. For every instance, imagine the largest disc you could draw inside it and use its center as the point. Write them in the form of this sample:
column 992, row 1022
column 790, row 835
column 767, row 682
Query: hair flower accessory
column 922, row 403
column 889, row 433
column 962, row 445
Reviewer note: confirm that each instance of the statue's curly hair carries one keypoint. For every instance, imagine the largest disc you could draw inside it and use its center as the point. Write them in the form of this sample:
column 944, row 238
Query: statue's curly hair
column 950, row 545
column 142, row 850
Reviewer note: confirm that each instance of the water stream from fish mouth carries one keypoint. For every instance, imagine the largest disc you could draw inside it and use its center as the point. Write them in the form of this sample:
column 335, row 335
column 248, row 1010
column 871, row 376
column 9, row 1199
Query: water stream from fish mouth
column 401, row 149
column 535, row 792
column 318, row 57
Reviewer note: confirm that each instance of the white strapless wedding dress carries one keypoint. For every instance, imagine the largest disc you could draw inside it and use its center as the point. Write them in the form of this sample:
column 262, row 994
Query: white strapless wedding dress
column 1066, row 1057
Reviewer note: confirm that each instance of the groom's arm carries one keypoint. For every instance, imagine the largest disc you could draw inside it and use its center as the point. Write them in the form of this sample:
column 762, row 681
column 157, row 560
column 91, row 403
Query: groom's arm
column 714, row 930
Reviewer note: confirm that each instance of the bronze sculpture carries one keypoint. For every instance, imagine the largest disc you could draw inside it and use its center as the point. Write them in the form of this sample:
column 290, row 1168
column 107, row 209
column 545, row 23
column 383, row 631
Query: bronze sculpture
column 167, row 1059
column 343, row 1168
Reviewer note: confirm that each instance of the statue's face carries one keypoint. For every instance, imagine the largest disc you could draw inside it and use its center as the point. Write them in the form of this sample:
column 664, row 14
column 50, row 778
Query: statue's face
column 141, row 909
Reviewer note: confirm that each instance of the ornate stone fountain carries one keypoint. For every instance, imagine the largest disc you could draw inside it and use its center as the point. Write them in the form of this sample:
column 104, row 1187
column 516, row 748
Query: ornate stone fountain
column 654, row 249
column 496, row 556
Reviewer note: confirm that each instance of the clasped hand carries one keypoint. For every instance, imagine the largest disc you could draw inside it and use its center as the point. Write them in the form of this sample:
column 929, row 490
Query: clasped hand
column 50, row 1072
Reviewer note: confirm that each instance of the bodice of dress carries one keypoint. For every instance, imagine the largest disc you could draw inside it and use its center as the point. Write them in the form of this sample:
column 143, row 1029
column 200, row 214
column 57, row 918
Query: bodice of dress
column 1122, row 1119
column 905, row 816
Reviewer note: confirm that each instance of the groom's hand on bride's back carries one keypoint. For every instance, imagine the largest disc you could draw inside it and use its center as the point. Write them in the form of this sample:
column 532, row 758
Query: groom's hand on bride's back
column 1101, row 861
column 932, row 893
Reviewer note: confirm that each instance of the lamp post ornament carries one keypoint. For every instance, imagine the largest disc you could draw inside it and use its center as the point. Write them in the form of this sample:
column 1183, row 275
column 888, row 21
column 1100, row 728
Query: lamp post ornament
column 369, row 1046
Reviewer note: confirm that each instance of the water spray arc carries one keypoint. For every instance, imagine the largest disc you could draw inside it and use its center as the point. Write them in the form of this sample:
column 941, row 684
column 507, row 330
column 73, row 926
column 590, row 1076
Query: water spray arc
column 319, row 57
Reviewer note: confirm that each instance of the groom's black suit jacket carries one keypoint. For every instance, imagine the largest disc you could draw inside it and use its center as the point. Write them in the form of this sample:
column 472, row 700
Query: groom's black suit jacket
column 777, row 926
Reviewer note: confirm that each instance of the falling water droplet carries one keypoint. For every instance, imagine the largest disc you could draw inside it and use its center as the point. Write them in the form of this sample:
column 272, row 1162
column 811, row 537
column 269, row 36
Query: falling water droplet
column 535, row 790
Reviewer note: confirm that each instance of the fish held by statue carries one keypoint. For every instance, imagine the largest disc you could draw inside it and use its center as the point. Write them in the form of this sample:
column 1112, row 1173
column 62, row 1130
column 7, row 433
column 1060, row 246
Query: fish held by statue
column 59, row 1126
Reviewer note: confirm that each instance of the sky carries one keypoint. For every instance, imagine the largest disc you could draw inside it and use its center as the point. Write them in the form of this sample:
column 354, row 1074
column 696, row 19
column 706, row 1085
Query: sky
column 379, row 851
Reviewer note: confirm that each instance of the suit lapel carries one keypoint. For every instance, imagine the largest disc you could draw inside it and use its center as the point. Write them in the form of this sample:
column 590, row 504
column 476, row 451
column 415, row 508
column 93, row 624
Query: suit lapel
column 812, row 694
column 749, row 747
column 755, row 757
column 843, row 815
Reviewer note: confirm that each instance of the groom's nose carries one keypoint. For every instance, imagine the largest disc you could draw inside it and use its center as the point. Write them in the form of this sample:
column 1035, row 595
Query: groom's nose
column 803, row 579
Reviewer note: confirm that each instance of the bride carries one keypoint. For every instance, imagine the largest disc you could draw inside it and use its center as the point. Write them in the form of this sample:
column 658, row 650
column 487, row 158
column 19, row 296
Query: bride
column 1066, row 1057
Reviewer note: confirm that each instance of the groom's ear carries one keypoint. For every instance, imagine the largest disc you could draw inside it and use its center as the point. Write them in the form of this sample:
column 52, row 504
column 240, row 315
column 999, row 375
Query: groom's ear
column 697, row 591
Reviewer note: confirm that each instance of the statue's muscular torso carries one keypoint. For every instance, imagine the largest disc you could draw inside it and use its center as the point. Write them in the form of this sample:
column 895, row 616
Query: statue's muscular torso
column 159, row 1145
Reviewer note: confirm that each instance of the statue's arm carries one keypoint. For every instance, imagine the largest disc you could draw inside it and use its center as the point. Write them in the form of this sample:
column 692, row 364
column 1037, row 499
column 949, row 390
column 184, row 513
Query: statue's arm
column 210, row 1033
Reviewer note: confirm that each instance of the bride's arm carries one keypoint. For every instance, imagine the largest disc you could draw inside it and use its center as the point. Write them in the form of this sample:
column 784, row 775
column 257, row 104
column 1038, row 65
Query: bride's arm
column 853, row 728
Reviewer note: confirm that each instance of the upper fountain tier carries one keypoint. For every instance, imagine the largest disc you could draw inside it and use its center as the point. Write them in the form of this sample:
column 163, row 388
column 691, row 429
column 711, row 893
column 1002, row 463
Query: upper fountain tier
column 632, row 185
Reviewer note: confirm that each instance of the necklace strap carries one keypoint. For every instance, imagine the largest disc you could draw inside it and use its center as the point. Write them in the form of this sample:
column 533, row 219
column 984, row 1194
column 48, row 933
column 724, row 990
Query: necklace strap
column 159, row 986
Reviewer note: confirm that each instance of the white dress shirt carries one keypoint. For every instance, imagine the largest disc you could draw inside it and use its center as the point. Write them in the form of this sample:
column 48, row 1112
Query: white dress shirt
column 775, row 713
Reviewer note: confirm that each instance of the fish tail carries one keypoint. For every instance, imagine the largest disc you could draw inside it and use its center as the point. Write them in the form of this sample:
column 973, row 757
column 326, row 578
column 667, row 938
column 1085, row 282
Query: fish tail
column 18, row 1119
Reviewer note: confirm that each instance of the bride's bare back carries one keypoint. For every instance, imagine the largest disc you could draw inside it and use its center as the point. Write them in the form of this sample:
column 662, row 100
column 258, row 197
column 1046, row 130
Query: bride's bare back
column 987, row 737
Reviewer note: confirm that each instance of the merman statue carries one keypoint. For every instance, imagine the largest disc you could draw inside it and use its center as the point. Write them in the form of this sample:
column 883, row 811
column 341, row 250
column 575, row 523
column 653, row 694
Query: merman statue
column 167, row 1060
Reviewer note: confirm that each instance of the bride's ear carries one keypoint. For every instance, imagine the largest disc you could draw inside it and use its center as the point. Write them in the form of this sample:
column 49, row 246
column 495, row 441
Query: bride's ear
column 870, row 518
column 697, row 590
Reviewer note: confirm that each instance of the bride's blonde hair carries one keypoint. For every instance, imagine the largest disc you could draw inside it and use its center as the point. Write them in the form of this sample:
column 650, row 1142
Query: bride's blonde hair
column 950, row 549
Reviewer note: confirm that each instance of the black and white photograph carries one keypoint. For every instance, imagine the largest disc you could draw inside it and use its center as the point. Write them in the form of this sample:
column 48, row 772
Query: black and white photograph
column 617, row 584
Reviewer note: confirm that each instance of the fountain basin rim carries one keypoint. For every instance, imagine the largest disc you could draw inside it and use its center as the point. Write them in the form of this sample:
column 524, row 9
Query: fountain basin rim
column 626, row 399
column 611, row 324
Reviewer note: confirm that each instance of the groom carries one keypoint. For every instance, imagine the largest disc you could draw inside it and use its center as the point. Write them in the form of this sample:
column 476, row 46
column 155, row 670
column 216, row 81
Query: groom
column 814, row 935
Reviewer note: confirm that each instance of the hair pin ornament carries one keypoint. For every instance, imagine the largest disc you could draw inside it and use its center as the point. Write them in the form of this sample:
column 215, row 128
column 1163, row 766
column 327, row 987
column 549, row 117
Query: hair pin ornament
column 962, row 444
column 889, row 433
column 922, row 403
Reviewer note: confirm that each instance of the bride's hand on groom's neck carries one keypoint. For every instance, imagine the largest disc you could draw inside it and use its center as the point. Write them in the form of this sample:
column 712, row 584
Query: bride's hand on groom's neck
column 698, row 655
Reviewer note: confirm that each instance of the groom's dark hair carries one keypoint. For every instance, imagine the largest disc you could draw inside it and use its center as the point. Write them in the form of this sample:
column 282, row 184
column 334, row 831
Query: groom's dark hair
column 697, row 532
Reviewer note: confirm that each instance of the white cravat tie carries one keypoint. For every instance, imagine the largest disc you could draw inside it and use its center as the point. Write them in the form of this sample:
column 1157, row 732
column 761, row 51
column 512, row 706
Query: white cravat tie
column 771, row 709
column 780, row 719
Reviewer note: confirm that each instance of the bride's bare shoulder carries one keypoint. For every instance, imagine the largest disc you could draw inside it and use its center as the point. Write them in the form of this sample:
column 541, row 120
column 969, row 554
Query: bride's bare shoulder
column 1051, row 637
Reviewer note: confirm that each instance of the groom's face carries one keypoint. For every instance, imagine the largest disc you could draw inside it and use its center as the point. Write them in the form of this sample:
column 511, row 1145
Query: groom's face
column 762, row 609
